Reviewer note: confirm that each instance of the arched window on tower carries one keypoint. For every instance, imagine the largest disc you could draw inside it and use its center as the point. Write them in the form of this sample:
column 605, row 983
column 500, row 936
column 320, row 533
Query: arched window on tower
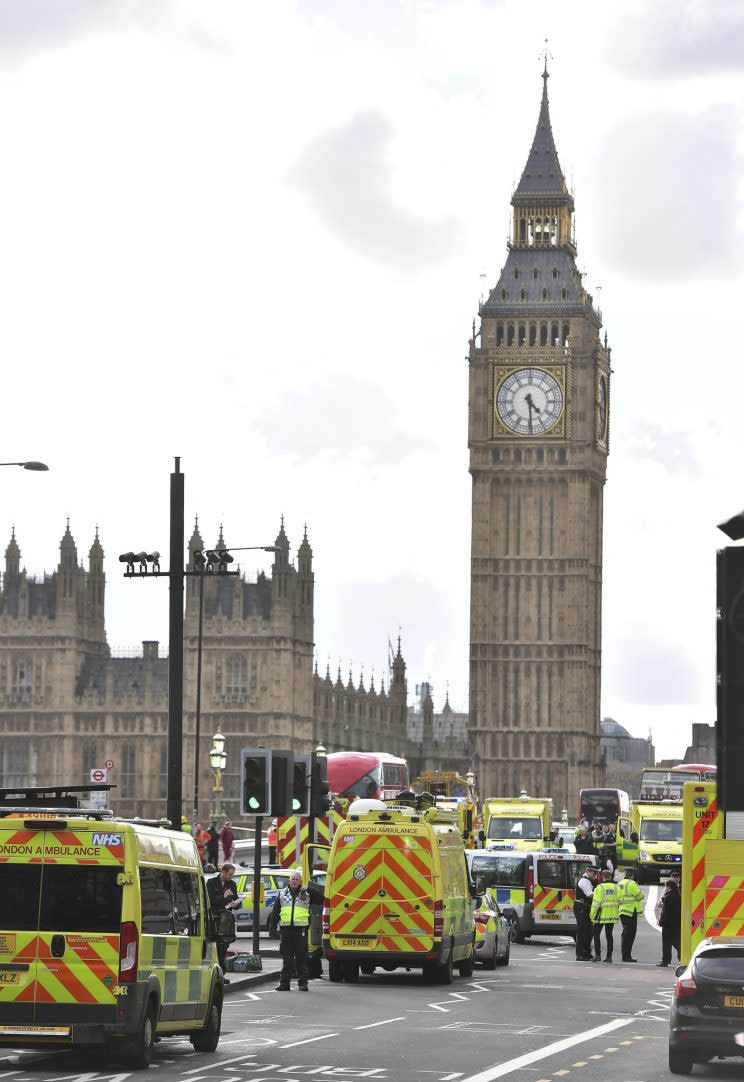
column 533, row 333
column 543, row 334
column 522, row 334
column 554, row 231
column 522, row 231
column 530, row 230
column 499, row 333
column 554, row 334
column 545, row 294
column 510, row 335
column 503, row 294
column 522, row 295
column 565, row 334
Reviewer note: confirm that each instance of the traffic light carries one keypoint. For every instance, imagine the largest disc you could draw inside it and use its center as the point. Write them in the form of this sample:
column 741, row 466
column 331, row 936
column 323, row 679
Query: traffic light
column 730, row 656
column 255, row 771
column 301, row 785
column 319, row 800
column 281, row 782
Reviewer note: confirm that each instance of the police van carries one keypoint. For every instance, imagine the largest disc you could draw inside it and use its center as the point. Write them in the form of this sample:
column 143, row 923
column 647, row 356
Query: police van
column 535, row 891
column 106, row 935
column 397, row 894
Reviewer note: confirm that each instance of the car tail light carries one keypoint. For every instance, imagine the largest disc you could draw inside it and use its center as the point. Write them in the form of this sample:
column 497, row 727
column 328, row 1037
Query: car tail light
column 128, row 951
column 326, row 917
column 438, row 919
column 530, row 884
column 685, row 988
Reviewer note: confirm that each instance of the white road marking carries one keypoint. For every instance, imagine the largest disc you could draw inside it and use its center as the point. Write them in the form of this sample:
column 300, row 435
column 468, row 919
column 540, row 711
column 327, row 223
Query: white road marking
column 502, row 1069
column 235, row 1059
column 371, row 1025
column 309, row 1040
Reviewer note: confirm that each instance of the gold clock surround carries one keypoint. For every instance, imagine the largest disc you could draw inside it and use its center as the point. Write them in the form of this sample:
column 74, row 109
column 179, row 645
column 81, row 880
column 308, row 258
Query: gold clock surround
column 561, row 373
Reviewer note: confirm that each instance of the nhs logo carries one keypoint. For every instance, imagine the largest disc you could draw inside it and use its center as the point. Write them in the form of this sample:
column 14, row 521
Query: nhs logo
column 107, row 839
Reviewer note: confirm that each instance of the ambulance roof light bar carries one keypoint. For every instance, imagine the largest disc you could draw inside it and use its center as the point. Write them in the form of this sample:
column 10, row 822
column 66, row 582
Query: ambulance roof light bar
column 48, row 797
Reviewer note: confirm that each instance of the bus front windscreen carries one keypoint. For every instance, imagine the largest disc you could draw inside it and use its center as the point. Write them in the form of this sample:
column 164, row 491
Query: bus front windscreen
column 514, row 828
column 661, row 830
column 602, row 804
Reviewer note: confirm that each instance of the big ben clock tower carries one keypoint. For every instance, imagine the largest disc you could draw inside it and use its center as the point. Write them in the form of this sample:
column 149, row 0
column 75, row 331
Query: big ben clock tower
column 538, row 435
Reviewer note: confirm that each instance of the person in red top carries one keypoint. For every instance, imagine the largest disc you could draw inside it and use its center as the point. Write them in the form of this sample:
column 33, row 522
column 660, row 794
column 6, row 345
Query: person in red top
column 227, row 838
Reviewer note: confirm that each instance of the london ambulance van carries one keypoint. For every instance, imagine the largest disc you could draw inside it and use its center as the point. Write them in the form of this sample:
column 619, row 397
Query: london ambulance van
column 397, row 894
column 106, row 936
column 659, row 830
column 524, row 822
column 535, row 891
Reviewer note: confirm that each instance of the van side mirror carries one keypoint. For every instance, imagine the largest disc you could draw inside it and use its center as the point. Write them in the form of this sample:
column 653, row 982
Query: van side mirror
column 634, row 838
column 679, row 971
column 559, row 842
column 481, row 836
column 479, row 888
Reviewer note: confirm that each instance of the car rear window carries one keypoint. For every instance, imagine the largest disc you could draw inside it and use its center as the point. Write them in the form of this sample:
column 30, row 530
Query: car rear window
column 499, row 871
column 551, row 873
column 20, row 886
column 721, row 965
column 79, row 898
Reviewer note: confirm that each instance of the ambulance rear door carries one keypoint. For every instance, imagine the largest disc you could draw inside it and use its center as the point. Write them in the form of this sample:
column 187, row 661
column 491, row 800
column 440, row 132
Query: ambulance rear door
column 79, row 925
column 554, row 893
column 382, row 892
column 21, row 861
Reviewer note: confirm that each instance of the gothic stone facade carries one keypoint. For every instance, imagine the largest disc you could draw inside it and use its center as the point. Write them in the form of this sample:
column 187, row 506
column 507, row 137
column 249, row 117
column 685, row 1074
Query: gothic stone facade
column 538, row 439
column 67, row 705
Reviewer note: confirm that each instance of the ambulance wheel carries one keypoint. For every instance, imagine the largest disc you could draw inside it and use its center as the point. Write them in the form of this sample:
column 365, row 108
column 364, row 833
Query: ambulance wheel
column 640, row 874
column 466, row 966
column 207, row 1039
column 367, row 968
column 679, row 1062
column 137, row 1049
column 515, row 934
column 444, row 973
column 335, row 973
column 351, row 972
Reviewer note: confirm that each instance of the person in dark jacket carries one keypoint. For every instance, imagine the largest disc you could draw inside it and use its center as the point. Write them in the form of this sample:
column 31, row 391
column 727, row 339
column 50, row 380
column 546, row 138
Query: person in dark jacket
column 583, row 843
column 212, row 847
column 223, row 898
column 291, row 915
column 670, row 922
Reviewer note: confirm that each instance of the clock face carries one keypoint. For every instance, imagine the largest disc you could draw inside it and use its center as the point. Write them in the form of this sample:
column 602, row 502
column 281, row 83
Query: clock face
column 529, row 401
column 602, row 409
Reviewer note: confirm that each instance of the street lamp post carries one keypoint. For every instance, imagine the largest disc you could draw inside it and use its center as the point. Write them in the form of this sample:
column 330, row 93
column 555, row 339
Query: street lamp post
column 218, row 762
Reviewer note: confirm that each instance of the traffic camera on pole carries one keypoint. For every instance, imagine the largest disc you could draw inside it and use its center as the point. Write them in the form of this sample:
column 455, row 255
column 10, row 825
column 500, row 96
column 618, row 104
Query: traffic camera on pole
column 255, row 772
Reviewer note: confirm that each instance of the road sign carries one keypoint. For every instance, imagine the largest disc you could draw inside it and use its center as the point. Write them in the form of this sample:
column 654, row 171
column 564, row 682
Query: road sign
column 98, row 800
column 109, row 764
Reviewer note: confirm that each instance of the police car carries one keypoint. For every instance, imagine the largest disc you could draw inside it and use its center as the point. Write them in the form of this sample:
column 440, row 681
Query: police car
column 492, row 943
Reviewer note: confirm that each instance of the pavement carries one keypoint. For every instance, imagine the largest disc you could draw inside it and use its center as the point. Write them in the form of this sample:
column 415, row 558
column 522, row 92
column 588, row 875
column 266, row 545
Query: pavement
column 544, row 1017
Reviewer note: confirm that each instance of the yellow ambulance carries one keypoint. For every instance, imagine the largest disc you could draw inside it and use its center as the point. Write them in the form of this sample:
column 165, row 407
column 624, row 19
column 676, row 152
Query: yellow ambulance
column 106, row 935
column 397, row 894
column 524, row 823
column 659, row 830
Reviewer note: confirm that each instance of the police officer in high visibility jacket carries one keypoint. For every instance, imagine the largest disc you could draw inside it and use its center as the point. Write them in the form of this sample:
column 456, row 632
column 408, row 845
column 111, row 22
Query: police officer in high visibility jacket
column 630, row 897
column 604, row 913
column 291, row 914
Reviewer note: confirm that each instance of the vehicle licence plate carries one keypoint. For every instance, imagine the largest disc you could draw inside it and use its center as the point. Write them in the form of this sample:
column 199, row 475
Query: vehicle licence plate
column 35, row 1031
column 547, row 916
column 351, row 942
column 733, row 1001
column 9, row 978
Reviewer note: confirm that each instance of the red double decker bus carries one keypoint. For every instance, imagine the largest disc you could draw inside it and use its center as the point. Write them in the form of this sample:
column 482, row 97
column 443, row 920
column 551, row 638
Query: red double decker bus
column 353, row 774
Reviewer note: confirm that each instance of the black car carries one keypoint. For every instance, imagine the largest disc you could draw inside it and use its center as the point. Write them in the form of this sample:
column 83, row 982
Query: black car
column 707, row 1014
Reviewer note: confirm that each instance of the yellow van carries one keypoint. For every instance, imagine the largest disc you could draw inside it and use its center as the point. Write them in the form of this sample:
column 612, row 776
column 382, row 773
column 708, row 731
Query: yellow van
column 106, row 936
column 397, row 894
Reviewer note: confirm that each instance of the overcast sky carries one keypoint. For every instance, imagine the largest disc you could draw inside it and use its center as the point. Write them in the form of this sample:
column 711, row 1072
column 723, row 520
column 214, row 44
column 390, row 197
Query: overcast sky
column 255, row 235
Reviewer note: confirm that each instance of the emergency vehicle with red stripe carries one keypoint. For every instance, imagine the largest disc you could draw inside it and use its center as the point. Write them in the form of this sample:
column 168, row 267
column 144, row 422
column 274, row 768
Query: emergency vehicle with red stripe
column 397, row 894
column 106, row 933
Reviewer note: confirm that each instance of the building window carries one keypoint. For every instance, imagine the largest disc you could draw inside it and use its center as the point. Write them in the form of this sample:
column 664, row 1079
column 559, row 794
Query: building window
column 90, row 760
column 128, row 766
column 236, row 675
column 14, row 765
column 555, row 272
column 23, row 677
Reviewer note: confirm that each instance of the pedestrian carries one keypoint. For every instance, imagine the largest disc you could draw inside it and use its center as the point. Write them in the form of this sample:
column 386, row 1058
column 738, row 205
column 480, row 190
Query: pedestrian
column 213, row 845
column 581, row 907
column 223, row 898
column 185, row 825
column 291, row 914
column 227, row 838
column 582, row 842
column 670, row 922
column 202, row 838
column 604, row 913
column 630, row 897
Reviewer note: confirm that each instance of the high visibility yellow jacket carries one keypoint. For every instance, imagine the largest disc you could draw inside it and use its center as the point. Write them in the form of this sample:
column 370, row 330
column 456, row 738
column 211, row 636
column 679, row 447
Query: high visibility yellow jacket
column 605, row 905
column 630, row 897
